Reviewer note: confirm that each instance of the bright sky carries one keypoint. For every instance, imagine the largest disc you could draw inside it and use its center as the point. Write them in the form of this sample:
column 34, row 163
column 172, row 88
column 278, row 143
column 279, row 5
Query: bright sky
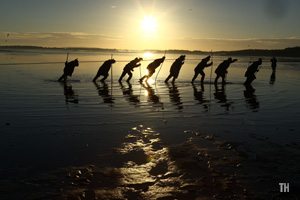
column 152, row 24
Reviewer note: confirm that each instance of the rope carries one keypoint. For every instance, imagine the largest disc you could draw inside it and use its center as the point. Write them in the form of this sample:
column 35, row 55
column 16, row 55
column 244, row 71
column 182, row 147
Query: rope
column 85, row 61
column 94, row 61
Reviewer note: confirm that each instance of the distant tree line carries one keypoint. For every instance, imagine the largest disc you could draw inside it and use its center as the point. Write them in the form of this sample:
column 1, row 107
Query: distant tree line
column 287, row 52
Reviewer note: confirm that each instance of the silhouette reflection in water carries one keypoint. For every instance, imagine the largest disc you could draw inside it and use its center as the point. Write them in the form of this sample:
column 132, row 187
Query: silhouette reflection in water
column 273, row 77
column 103, row 91
column 152, row 97
column 220, row 95
column 273, row 65
column 128, row 94
column 250, row 97
column 70, row 95
column 198, row 95
column 174, row 96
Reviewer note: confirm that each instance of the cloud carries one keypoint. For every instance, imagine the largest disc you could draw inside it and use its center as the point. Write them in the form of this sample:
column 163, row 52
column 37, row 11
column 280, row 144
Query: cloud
column 226, row 44
column 58, row 39
column 80, row 39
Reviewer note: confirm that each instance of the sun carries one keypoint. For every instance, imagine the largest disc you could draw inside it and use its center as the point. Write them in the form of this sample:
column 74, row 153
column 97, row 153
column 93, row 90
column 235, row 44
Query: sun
column 148, row 24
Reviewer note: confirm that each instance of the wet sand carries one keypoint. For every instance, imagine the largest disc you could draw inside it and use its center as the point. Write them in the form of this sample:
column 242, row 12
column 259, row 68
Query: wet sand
column 82, row 140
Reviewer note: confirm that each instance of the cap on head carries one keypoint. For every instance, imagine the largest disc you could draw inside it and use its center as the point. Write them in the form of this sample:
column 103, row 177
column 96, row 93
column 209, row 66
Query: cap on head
column 260, row 60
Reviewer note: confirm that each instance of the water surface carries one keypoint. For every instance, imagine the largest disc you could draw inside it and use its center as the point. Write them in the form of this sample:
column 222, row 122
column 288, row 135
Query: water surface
column 114, row 141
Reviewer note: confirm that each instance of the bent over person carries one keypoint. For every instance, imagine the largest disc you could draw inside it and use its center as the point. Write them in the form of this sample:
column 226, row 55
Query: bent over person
column 200, row 67
column 151, row 68
column 129, row 68
column 251, row 71
column 104, row 69
column 221, row 70
column 69, row 69
column 175, row 68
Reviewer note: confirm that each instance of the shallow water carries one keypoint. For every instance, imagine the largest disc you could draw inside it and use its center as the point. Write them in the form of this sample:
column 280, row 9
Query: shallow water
column 116, row 141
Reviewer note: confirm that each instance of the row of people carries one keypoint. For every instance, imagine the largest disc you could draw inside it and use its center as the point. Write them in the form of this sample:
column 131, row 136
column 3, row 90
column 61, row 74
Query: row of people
column 220, row 71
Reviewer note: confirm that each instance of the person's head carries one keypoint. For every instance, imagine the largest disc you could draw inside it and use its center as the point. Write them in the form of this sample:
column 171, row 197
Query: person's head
column 112, row 61
column 259, row 61
column 206, row 59
column 230, row 59
column 182, row 57
column 75, row 62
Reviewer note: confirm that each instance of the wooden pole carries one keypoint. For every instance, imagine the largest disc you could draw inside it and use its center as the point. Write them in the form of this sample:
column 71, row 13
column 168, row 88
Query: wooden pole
column 111, row 77
column 211, row 69
column 160, row 68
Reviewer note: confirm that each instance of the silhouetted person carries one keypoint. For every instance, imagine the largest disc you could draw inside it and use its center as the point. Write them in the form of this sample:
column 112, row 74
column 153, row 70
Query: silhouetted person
column 200, row 67
column 221, row 70
column 251, row 71
column 129, row 67
column 151, row 68
column 175, row 68
column 274, row 63
column 104, row 69
column 69, row 69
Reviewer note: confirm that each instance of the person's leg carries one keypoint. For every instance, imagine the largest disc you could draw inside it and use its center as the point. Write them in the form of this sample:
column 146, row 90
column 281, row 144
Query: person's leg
column 224, row 79
column 247, row 82
column 174, row 78
column 203, row 76
column 105, row 77
column 167, row 79
column 130, row 76
column 62, row 77
column 149, row 76
column 195, row 76
column 94, row 80
column 141, row 79
column 122, row 75
column 216, row 79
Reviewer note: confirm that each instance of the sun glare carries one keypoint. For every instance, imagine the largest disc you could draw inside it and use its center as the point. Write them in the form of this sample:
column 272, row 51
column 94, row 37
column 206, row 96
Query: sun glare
column 148, row 55
column 150, row 80
column 149, row 24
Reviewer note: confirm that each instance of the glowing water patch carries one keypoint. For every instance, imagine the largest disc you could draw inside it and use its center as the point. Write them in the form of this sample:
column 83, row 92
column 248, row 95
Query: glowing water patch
column 148, row 55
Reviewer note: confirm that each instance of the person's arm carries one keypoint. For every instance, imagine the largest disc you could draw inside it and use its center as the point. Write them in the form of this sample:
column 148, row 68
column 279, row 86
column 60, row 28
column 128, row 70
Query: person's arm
column 209, row 64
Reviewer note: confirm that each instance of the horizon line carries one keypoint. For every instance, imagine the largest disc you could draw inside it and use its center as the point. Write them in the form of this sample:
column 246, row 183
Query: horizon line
column 101, row 48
